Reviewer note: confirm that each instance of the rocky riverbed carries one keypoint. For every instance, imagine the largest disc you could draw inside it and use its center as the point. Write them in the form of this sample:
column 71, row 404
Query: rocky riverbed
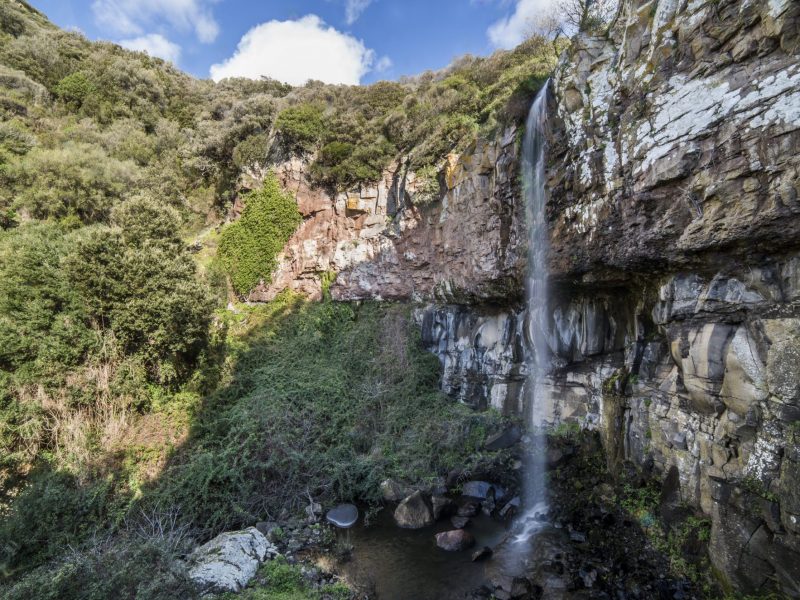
column 604, row 536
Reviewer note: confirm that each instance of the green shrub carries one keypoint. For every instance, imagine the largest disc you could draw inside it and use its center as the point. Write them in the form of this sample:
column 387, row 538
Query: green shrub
column 146, row 292
column 74, row 89
column 75, row 180
column 301, row 126
column 111, row 568
column 248, row 248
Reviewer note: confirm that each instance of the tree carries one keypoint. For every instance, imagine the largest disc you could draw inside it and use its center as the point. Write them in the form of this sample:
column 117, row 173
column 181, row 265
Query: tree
column 567, row 17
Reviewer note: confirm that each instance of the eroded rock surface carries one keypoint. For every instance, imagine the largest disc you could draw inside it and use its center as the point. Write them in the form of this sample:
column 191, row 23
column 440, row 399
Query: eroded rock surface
column 229, row 561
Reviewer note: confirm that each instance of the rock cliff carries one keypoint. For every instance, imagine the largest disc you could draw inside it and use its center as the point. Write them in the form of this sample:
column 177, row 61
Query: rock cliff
column 674, row 210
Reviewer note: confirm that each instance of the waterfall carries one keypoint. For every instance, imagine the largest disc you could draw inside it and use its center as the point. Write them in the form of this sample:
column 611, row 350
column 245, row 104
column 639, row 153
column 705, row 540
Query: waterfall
column 533, row 174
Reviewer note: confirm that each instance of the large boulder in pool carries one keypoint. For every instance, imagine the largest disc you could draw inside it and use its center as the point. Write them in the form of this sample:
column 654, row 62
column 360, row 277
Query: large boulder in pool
column 455, row 540
column 414, row 512
column 229, row 561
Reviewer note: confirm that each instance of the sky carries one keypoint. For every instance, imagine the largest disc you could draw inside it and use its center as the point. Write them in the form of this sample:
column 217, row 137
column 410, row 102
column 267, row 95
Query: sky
column 335, row 41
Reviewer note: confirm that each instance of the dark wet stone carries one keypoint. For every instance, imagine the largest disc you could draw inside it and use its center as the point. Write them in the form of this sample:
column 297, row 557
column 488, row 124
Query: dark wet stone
column 455, row 540
column 481, row 554
column 460, row 522
column 477, row 489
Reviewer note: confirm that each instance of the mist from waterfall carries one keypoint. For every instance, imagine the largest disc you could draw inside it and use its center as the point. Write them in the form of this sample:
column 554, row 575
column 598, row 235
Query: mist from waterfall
column 533, row 182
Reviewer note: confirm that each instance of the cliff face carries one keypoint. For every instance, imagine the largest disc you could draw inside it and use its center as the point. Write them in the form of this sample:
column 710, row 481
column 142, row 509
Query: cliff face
column 394, row 242
column 674, row 209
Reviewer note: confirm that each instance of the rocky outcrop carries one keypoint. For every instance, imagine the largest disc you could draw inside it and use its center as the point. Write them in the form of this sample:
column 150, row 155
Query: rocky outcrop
column 390, row 241
column 229, row 561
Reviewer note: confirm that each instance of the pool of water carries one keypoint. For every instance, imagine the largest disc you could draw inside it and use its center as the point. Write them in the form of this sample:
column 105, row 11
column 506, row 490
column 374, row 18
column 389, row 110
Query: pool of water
column 392, row 563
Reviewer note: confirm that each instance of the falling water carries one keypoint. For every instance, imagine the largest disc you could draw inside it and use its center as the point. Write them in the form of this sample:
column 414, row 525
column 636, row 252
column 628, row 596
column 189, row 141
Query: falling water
column 533, row 163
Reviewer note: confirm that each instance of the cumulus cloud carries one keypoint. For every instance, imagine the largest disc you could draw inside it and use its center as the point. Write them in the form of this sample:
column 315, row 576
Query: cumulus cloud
column 515, row 27
column 384, row 64
column 154, row 44
column 132, row 17
column 354, row 8
column 296, row 51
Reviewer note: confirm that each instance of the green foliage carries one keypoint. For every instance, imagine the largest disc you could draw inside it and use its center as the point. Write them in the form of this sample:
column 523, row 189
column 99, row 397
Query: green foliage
column 78, row 180
column 327, row 399
column 251, row 151
column 129, row 568
column 144, row 289
column 42, row 319
column 74, row 89
column 248, row 248
column 53, row 511
column 301, row 126
column 278, row 580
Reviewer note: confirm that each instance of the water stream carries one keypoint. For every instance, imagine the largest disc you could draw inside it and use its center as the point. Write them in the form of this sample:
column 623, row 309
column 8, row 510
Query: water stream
column 533, row 173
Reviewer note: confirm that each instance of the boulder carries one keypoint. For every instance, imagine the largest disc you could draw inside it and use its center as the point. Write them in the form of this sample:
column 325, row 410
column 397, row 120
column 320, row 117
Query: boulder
column 413, row 512
column 477, row 489
column 455, row 540
column 229, row 561
column 511, row 507
column 393, row 491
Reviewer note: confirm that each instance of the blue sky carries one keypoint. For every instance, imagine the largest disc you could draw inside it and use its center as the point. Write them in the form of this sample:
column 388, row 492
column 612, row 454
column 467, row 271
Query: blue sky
column 339, row 41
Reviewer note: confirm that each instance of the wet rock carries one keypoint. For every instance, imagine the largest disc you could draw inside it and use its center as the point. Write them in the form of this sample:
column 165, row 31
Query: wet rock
column 393, row 491
column 481, row 554
column 442, row 506
column 477, row 489
column 470, row 508
column 510, row 508
column 455, row 540
column 459, row 522
column 344, row 516
column 413, row 512
column 229, row 561
column 503, row 439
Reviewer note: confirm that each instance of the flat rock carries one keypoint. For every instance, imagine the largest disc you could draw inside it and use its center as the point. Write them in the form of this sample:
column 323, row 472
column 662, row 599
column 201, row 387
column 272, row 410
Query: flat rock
column 413, row 512
column 344, row 516
column 455, row 540
column 229, row 561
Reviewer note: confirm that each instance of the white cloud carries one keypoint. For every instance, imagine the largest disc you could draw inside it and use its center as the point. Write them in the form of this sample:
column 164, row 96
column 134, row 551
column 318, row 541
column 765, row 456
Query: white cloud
column 154, row 44
column 296, row 51
column 384, row 64
column 131, row 17
column 514, row 28
column 354, row 8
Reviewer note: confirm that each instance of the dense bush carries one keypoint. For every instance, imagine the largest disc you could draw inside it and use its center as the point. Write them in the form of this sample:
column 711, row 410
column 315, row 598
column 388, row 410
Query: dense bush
column 76, row 180
column 129, row 567
column 248, row 248
column 301, row 126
